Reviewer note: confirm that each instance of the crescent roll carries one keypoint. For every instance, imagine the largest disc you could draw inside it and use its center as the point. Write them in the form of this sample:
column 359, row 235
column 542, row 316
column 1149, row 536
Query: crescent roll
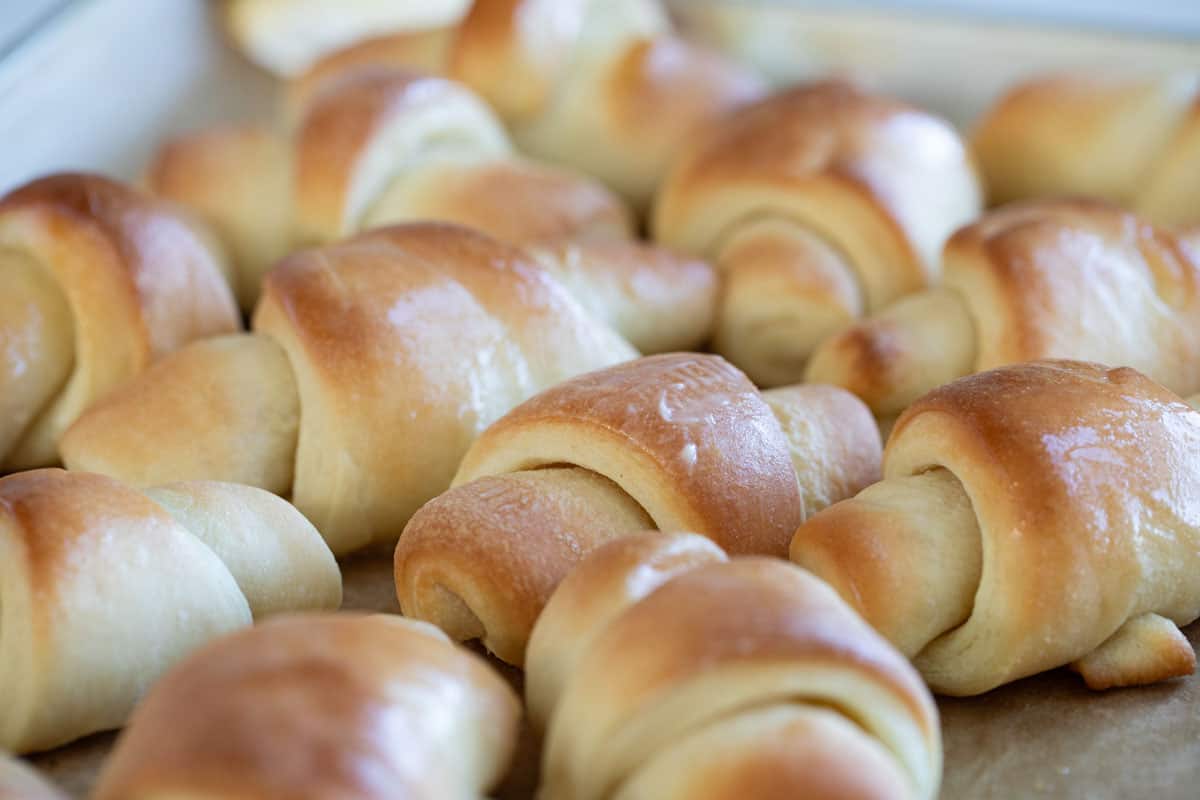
column 1030, row 517
column 373, row 365
column 103, row 587
column 1049, row 279
column 96, row 282
column 391, row 146
column 1132, row 140
column 819, row 204
column 684, row 675
column 601, row 85
column 675, row 442
column 313, row 706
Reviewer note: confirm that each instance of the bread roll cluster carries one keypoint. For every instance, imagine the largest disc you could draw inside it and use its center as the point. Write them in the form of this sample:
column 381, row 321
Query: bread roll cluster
column 738, row 498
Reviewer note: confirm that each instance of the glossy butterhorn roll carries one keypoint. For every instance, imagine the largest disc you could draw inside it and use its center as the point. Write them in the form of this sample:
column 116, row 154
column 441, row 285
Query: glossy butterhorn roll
column 320, row 706
column 600, row 85
column 104, row 587
column 1132, row 140
column 1030, row 517
column 675, row 442
column 666, row 672
column 373, row 365
column 819, row 205
column 96, row 282
column 1050, row 279
column 393, row 146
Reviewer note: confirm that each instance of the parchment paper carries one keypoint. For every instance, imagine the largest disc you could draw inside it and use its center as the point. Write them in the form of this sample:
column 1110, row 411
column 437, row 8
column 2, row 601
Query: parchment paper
column 1044, row 737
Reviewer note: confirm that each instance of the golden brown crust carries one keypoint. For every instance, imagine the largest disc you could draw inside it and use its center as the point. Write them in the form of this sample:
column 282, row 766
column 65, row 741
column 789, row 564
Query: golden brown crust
column 516, row 201
column 1074, row 133
column 232, row 399
column 825, row 155
column 277, row 557
column 1170, row 195
column 518, row 53
column 425, row 51
column 480, row 561
column 612, row 577
column 602, row 86
column 625, row 118
column 719, row 640
column 36, row 345
column 94, row 578
column 784, row 290
column 351, row 315
column 1079, row 279
column 834, row 442
column 317, row 707
column 54, row 509
column 918, row 343
column 658, row 299
column 176, row 279
column 355, row 141
column 905, row 553
column 687, row 436
column 662, row 89
column 103, row 588
column 1146, row 649
column 1085, row 485
column 775, row 753
column 139, row 281
column 238, row 180
column 489, row 58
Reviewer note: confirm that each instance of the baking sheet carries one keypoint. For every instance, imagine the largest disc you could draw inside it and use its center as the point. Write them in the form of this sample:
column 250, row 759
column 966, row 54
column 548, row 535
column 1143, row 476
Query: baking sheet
column 1044, row 737
column 109, row 78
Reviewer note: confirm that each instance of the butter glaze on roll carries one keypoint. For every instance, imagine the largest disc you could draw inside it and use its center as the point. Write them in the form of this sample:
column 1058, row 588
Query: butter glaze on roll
column 1128, row 139
column 312, row 707
column 96, row 282
column 1049, row 279
column 1030, row 517
column 684, row 676
column 104, row 587
column 600, row 85
column 388, row 145
column 675, row 442
column 819, row 204
column 374, row 364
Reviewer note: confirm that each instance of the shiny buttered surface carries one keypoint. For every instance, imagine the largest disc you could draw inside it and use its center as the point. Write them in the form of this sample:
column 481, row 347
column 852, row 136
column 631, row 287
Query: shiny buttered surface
column 445, row 357
column 314, row 706
column 662, row 670
column 819, row 204
column 104, row 587
column 97, row 280
column 373, row 365
column 673, row 442
column 1046, row 279
column 1030, row 517
column 379, row 145
column 1133, row 140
